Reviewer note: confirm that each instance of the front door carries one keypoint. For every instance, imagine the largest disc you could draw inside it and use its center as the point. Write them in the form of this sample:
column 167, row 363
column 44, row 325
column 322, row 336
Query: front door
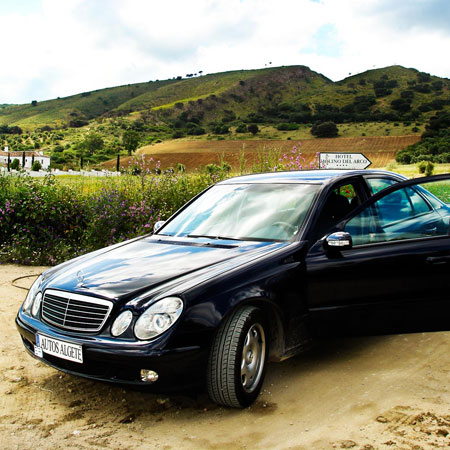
column 400, row 254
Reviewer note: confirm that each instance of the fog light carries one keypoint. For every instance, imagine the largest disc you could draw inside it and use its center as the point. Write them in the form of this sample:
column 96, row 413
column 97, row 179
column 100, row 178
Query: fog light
column 149, row 376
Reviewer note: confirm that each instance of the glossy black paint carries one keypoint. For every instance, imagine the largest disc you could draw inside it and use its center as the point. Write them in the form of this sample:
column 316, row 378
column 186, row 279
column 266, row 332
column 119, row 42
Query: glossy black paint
column 296, row 283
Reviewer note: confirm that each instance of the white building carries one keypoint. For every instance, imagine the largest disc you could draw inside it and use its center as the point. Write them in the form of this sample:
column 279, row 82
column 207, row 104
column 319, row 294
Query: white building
column 30, row 157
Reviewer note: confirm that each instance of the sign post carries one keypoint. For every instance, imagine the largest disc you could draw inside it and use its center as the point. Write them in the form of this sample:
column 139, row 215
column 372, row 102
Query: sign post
column 9, row 158
column 345, row 161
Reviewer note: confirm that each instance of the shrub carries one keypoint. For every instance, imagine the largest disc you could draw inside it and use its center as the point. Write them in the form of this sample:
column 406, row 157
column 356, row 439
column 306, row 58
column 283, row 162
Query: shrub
column 422, row 88
column 195, row 130
column 421, row 158
column 77, row 123
column 40, row 223
column 423, row 77
column 221, row 129
column 287, row 126
column 177, row 134
column 437, row 85
column 181, row 168
column 36, row 166
column 15, row 164
column 324, row 129
column 426, row 167
column 442, row 158
column 401, row 104
column 44, row 222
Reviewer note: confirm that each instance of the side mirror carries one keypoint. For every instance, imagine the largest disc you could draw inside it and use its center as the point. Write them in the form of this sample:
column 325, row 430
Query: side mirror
column 158, row 225
column 340, row 240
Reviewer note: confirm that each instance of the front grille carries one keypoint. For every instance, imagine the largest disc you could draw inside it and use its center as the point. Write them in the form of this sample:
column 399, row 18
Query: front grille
column 74, row 311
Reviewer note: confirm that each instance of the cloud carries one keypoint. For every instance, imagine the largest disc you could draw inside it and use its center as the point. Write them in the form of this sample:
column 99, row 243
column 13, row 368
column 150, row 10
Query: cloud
column 66, row 47
column 423, row 15
column 325, row 42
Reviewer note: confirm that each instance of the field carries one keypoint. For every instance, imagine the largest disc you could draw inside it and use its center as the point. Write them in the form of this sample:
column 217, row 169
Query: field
column 194, row 153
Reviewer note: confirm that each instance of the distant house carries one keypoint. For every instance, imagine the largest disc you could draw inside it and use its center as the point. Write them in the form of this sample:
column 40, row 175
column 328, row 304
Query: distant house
column 29, row 158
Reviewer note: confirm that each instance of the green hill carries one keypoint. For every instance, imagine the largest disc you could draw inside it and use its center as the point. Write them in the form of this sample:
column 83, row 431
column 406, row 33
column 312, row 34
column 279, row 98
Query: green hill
column 216, row 106
column 267, row 92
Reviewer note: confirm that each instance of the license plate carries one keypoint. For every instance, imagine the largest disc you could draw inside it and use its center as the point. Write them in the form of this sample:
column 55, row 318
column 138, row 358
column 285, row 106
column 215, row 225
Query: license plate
column 61, row 349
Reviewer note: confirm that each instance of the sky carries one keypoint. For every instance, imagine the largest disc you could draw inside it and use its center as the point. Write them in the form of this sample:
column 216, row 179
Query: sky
column 57, row 48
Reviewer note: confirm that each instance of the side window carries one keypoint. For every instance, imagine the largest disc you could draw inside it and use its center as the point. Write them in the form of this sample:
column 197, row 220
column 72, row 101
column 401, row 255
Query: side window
column 340, row 201
column 378, row 184
column 400, row 215
column 418, row 203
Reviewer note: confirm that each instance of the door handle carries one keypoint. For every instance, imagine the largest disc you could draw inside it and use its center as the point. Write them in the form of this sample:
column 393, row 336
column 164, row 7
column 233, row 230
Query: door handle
column 438, row 259
column 430, row 230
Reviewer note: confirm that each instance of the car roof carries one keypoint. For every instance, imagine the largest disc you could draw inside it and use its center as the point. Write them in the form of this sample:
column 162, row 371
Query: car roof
column 305, row 176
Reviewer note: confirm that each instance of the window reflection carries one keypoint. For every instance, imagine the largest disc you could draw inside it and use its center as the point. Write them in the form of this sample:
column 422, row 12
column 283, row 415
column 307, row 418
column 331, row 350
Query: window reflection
column 246, row 211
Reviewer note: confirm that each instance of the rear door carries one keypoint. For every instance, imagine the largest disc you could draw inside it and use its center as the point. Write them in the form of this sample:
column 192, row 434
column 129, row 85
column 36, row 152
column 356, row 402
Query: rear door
column 400, row 254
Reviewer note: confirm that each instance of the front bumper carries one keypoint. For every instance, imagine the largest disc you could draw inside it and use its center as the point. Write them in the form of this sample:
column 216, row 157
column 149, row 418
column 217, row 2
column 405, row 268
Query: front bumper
column 121, row 362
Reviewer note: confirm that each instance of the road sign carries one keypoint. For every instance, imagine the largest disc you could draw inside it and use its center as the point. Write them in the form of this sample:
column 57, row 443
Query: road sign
column 343, row 161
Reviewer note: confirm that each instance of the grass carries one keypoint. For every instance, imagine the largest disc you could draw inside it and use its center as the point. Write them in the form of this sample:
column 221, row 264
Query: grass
column 440, row 190
column 412, row 171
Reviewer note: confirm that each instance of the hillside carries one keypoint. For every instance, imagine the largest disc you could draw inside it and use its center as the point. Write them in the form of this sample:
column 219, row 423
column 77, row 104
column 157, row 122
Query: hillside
column 279, row 102
column 293, row 89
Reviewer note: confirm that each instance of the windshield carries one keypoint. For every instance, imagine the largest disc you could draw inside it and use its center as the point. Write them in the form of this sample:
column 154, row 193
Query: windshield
column 267, row 212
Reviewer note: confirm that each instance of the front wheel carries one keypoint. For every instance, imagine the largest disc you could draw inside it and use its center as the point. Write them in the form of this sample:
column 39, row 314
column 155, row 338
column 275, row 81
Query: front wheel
column 237, row 361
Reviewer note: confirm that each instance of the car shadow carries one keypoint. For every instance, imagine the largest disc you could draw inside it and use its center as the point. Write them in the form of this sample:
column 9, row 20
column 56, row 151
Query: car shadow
column 338, row 344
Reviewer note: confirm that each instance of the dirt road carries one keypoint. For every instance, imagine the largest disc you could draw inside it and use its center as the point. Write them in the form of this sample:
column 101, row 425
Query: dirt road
column 388, row 392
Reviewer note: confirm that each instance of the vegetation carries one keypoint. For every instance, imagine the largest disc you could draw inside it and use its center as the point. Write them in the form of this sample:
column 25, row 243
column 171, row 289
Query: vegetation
column 130, row 140
column 283, row 102
column 15, row 164
column 36, row 166
column 46, row 222
column 434, row 145
column 324, row 129
column 426, row 167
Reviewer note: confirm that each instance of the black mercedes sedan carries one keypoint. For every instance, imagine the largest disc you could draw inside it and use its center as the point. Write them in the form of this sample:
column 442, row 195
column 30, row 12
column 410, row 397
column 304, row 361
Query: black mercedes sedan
column 240, row 275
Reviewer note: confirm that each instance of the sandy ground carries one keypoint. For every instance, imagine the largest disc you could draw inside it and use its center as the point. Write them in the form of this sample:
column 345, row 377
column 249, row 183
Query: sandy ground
column 388, row 392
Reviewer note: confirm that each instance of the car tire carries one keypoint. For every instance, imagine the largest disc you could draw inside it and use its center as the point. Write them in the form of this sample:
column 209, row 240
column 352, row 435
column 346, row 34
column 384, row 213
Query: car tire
column 238, row 357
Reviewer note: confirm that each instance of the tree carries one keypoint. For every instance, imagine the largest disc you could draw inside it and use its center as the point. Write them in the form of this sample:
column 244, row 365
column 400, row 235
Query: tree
column 15, row 164
column 130, row 140
column 92, row 143
column 221, row 129
column 34, row 103
column 324, row 129
column 253, row 128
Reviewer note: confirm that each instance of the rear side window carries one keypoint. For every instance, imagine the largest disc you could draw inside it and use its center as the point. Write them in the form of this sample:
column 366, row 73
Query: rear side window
column 378, row 184
column 400, row 215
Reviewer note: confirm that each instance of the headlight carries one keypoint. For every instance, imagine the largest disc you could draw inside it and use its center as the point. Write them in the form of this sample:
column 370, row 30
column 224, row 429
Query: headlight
column 121, row 323
column 36, row 304
column 158, row 318
column 31, row 294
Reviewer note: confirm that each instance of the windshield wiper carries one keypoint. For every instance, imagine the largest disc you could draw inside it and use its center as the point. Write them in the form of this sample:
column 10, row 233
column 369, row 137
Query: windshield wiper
column 212, row 237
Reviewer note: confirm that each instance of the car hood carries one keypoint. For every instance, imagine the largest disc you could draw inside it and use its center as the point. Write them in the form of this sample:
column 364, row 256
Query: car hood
column 135, row 266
